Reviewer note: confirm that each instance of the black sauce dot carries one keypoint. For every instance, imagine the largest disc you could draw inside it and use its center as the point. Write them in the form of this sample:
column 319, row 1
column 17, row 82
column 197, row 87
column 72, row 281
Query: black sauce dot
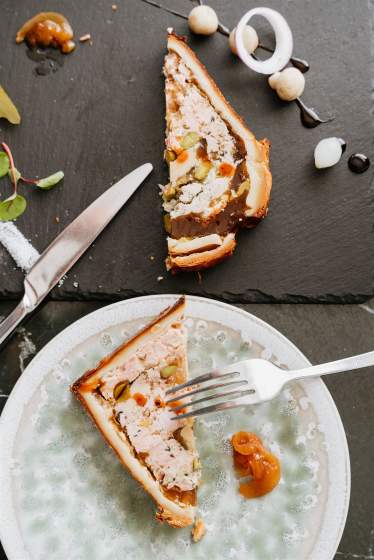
column 308, row 116
column 358, row 163
column 300, row 64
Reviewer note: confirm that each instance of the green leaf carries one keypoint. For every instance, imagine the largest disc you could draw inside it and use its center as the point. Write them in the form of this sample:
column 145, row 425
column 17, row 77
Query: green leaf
column 12, row 208
column 7, row 108
column 16, row 173
column 4, row 164
column 51, row 181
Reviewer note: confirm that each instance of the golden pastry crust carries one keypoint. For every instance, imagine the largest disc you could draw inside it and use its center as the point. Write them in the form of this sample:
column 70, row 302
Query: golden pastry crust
column 204, row 259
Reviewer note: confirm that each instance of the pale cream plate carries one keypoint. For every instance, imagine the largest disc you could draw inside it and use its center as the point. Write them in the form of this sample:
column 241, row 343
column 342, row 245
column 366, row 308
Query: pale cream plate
column 65, row 495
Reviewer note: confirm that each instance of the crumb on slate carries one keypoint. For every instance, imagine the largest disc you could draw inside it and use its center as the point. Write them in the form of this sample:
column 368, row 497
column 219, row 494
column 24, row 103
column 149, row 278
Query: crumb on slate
column 151, row 258
column 84, row 38
column 57, row 220
column 160, row 278
column 114, row 7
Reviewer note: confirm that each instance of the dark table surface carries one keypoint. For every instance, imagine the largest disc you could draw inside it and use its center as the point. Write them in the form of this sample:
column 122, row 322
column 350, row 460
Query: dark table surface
column 316, row 244
column 322, row 332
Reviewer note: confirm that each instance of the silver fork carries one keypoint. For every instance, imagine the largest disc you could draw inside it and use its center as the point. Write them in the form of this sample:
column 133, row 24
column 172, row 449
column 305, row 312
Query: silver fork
column 263, row 381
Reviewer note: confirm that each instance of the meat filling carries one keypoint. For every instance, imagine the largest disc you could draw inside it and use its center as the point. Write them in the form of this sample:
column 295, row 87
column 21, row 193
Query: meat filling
column 137, row 392
column 206, row 161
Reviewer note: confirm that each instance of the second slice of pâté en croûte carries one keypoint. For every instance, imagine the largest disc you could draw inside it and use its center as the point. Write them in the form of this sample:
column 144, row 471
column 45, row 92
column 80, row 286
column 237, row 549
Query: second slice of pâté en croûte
column 219, row 178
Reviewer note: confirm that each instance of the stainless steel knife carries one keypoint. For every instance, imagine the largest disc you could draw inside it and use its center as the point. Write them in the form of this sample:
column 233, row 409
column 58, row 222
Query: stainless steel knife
column 70, row 244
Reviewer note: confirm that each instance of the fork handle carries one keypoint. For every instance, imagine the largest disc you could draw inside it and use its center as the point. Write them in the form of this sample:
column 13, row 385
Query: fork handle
column 346, row 364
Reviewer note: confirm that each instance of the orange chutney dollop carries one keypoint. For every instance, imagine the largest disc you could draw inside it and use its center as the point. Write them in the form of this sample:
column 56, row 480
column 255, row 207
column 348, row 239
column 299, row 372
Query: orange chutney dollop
column 252, row 459
column 47, row 29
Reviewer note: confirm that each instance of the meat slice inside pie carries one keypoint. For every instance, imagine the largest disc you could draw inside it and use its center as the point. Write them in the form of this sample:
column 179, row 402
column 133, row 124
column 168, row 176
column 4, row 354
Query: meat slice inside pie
column 219, row 176
column 126, row 394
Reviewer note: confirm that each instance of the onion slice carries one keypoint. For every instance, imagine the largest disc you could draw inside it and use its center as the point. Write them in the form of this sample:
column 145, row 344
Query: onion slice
column 283, row 39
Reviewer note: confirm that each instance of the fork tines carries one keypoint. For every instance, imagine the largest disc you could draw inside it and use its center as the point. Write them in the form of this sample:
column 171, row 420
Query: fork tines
column 200, row 385
column 202, row 379
column 209, row 387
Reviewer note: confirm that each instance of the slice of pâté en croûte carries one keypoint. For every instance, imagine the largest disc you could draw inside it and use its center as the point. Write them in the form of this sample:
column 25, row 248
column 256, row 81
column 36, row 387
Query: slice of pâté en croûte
column 219, row 176
column 125, row 396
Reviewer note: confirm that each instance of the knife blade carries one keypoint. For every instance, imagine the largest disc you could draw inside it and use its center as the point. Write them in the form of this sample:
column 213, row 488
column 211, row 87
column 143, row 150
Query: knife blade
column 70, row 244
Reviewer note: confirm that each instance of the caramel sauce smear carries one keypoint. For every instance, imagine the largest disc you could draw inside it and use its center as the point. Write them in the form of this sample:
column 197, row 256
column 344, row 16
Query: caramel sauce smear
column 47, row 29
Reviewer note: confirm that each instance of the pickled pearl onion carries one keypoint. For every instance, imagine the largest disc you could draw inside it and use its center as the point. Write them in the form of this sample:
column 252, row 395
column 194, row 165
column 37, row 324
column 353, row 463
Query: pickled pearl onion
column 283, row 40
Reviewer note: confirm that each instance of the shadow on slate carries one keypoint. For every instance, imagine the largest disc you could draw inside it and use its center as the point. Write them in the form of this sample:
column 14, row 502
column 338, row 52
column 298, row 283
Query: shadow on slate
column 102, row 114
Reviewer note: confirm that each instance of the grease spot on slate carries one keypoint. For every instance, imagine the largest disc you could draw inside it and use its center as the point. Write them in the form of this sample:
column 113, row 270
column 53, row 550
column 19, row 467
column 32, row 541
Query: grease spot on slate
column 48, row 60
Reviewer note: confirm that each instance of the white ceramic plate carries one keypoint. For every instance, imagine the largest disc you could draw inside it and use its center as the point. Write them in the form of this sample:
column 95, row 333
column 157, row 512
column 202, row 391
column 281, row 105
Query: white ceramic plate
column 65, row 495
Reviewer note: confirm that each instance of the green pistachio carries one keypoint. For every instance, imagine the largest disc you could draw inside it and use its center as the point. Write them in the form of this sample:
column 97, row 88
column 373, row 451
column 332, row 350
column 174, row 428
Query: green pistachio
column 167, row 371
column 125, row 395
column 167, row 223
column 168, row 193
column 202, row 170
column 189, row 140
column 119, row 389
column 243, row 187
column 170, row 155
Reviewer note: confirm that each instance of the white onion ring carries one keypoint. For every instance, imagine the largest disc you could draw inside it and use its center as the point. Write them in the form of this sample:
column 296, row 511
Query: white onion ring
column 283, row 42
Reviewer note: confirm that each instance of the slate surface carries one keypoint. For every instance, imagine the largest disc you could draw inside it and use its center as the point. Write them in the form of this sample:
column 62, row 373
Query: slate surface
column 102, row 114
column 302, row 324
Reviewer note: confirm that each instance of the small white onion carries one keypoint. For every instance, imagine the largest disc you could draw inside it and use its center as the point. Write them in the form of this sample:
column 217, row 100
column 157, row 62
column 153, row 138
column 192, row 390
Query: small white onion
column 250, row 38
column 283, row 39
column 203, row 20
column 289, row 83
column 328, row 152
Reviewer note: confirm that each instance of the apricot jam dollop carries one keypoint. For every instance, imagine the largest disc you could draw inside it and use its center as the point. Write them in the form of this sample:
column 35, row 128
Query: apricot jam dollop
column 251, row 459
column 47, row 29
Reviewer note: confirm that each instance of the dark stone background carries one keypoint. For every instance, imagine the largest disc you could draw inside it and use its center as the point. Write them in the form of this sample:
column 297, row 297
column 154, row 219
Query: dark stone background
column 101, row 115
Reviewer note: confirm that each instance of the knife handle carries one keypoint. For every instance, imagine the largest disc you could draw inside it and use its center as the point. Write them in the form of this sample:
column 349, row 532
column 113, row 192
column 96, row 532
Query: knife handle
column 13, row 319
